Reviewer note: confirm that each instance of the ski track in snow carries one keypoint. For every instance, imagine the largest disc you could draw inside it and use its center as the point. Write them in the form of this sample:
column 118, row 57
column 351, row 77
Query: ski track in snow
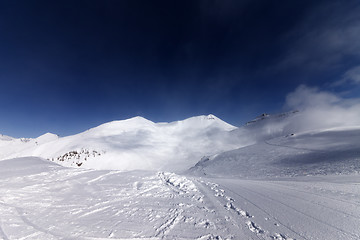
column 66, row 203
column 315, row 194
column 253, row 227
column 309, row 215
column 174, row 218
column 245, row 217
column 329, row 221
column 292, row 147
column 88, row 204
column 2, row 234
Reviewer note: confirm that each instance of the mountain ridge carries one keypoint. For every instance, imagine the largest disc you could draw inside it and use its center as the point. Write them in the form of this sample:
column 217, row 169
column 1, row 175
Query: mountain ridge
column 135, row 143
column 205, row 144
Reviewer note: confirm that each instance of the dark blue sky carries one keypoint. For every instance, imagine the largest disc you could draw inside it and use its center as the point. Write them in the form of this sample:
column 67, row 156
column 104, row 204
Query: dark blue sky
column 66, row 66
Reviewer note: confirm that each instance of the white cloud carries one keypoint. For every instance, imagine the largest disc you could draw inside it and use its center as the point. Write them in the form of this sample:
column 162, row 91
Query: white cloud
column 353, row 75
column 305, row 97
column 322, row 109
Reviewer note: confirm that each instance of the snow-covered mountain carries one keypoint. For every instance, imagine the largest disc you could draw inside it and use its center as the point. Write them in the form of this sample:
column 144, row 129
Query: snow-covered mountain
column 268, row 126
column 10, row 146
column 316, row 152
column 39, row 199
column 269, row 145
column 135, row 143
column 5, row 138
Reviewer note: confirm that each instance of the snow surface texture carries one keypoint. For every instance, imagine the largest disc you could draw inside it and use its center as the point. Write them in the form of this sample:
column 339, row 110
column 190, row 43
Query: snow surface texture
column 42, row 200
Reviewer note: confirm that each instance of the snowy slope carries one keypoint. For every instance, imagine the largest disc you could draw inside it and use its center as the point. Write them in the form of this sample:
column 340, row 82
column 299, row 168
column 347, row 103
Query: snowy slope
column 270, row 145
column 332, row 151
column 12, row 146
column 267, row 126
column 41, row 200
column 138, row 143
column 5, row 138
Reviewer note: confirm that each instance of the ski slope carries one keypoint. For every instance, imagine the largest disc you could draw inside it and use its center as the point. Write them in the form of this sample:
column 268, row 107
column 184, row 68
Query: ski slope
column 326, row 207
column 322, row 152
column 43, row 200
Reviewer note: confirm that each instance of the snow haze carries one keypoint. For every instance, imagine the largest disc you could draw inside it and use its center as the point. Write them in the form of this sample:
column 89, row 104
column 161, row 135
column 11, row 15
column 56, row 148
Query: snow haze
column 322, row 109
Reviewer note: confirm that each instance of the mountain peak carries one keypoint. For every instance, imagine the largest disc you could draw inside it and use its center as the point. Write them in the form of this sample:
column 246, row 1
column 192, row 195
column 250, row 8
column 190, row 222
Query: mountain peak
column 138, row 119
column 48, row 134
column 47, row 137
column 6, row 138
column 211, row 117
column 205, row 121
column 119, row 126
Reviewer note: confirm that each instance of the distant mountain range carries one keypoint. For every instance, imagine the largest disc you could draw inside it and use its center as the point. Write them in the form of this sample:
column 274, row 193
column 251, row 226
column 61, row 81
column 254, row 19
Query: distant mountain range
column 267, row 145
column 135, row 143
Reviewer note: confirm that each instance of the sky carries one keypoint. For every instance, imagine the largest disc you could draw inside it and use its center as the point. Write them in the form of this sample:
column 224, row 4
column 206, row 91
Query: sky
column 67, row 66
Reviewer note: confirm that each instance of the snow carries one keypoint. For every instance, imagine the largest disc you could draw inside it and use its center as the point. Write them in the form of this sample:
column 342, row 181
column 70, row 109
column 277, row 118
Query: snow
column 12, row 146
column 265, row 180
column 47, row 137
column 94, row 204
column 134, row 144
column 334, row 151
column 42, row 200
column 5, row 138
column 300, row 208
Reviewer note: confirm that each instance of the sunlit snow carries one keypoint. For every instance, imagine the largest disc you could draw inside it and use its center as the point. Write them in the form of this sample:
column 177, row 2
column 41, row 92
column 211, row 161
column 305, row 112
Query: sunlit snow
column 199, row 178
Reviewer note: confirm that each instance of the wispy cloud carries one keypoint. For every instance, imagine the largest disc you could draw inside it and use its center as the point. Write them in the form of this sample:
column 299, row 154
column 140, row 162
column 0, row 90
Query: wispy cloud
column 351, row 76
column 326, row 35
column 322, row 109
